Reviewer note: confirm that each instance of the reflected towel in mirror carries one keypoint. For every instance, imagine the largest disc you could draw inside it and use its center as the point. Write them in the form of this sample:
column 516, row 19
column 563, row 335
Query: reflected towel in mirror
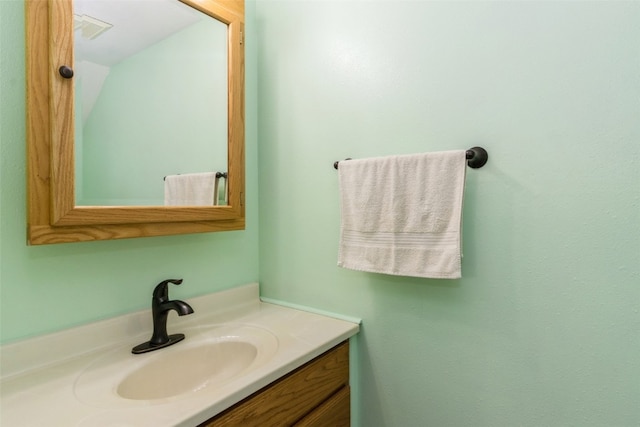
column 191, row 189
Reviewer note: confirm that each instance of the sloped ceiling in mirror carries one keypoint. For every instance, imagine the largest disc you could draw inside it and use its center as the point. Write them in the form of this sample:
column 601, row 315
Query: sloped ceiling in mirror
column 135, row 25
column 109, row 31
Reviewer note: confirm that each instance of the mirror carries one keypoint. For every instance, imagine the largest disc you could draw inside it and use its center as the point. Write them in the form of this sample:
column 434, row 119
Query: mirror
column 122, row 59
column 61, row 208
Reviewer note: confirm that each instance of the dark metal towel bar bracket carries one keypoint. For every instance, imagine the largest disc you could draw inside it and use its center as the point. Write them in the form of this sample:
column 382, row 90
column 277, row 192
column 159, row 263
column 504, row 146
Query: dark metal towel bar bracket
column 476, row 158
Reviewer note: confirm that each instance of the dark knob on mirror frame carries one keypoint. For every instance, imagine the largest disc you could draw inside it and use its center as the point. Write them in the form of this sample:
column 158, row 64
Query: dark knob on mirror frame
column 65, row 72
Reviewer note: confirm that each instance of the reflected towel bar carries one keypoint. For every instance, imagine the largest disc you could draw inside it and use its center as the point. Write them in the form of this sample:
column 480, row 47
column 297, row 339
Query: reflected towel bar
column 218, row 175
column 476, row 158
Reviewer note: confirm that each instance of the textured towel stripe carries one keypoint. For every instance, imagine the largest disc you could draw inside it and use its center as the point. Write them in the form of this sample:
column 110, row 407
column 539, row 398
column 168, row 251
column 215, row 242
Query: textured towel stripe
column 401, row 240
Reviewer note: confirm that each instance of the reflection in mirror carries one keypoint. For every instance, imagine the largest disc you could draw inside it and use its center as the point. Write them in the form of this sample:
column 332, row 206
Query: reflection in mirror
column 137, row 143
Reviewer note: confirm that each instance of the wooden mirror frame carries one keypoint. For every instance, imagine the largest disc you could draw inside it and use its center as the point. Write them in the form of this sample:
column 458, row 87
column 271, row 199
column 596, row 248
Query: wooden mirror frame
column 53, row 216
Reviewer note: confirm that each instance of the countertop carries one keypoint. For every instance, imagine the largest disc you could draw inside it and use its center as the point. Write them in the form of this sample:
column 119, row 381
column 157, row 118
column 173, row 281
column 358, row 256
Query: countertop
column 70, row 378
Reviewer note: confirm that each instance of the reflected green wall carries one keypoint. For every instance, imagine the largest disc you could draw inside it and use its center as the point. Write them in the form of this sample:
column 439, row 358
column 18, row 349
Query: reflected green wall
column 543, row 329
column 47, row 288
column 141, row 122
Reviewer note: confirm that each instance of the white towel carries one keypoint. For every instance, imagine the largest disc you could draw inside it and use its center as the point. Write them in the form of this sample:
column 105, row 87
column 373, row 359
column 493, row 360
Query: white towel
column 191, row 189
column 402, row 215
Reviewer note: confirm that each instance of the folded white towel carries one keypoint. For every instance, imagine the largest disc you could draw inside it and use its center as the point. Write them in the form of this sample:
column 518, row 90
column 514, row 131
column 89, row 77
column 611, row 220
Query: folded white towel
column 402, row 215
column 191, row 189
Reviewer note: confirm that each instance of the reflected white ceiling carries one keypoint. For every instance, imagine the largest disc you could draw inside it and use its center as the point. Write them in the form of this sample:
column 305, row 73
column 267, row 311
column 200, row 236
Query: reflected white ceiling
column 137, row 24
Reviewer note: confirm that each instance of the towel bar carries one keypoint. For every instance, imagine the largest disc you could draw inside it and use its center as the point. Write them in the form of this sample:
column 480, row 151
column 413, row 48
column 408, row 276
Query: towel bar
column 476, row 158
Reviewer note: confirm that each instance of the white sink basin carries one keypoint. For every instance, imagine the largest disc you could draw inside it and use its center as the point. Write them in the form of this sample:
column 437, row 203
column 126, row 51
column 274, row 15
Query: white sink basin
column 188, row 370
column 209, row 356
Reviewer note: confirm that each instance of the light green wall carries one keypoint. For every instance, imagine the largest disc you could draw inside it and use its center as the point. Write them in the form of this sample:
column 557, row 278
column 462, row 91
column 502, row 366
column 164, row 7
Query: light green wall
column 47, row 288
column 543, row 329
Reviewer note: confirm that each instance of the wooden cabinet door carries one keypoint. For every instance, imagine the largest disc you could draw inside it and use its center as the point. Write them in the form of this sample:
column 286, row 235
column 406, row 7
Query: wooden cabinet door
column 334, row 412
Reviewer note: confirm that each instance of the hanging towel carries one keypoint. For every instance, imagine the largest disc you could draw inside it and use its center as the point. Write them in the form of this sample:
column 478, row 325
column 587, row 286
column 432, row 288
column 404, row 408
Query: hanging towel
column 191, row 189
column 402, row 215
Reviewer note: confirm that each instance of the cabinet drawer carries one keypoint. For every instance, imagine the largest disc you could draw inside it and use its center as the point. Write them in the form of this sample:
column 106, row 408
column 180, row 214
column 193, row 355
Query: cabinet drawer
column 334, row 412
column 287, row 400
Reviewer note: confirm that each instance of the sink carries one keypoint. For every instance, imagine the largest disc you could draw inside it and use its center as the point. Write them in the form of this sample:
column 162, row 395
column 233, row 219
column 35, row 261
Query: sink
column 188, row 370
column 209, row 357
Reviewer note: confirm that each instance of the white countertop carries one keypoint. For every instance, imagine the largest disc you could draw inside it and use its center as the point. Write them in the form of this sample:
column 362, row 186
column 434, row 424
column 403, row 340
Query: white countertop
column 69, row 378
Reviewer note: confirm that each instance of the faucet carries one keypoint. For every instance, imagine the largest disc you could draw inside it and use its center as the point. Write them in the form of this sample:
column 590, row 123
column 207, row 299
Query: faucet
column 160, row 307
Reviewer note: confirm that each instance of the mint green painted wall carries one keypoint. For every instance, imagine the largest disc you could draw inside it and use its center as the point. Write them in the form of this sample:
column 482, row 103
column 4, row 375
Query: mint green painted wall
column 543, row 329
column 48, row 288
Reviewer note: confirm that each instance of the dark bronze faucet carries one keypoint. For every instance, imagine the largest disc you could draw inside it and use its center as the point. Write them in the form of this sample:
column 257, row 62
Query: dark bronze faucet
column 160, row 307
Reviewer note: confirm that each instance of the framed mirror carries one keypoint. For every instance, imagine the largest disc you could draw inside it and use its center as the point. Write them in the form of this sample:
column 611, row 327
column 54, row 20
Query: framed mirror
column 58, row 147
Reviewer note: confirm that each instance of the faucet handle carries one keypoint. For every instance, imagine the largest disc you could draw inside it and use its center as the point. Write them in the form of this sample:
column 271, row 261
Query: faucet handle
column 161, row 293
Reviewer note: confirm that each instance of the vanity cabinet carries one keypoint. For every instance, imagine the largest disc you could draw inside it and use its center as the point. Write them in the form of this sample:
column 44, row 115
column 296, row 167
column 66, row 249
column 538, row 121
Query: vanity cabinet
column 315, row 395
